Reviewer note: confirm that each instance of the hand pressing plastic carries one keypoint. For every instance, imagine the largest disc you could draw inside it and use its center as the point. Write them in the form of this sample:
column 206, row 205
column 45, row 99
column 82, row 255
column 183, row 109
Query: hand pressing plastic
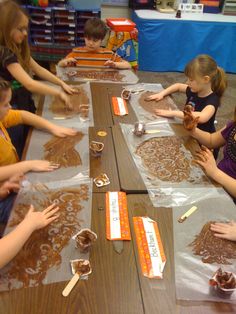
column 68, row 89
column 207, row 161
column 224, row 230
column 38, row 220
column 68, row 62
column 62, row 131
column 156, row 97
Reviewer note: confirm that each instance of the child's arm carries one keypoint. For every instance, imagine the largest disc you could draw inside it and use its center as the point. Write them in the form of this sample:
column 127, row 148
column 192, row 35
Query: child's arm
column 207, row 161
column 48, row 76
column 67, row 62
column 178, row 87
column 118, row 65
column 224, row 230
column 26, row 166
column 41, row 123
column 11, row 185
column 210, row 140
column 11, row 244
column 203, row 116
column 34, row 86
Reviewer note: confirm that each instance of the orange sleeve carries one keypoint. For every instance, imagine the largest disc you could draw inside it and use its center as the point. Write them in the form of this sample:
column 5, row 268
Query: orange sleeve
column 12, row 118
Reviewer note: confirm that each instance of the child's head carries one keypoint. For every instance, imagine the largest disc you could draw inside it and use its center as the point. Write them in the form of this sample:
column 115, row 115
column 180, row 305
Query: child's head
column 94, row 32
column 203, row 70
column 5, row 97
column 14, row 31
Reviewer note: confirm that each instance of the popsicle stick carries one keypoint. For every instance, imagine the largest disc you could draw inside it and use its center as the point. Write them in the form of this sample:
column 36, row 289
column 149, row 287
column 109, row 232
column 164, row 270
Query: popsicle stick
column 152, row 131
column 71, row 285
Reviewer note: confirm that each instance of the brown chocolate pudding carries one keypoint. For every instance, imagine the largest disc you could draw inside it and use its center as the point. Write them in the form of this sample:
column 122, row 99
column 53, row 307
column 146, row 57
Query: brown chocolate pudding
column 225, row 279
column 78, row 102
column 61, row 150
column 103, row 75
column 82, row 267
column 164, row 158
column 152, row 105
column 85, row 239
column 211, row 248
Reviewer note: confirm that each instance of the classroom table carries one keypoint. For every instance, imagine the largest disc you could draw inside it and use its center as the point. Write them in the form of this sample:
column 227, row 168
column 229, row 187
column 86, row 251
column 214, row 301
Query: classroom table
column 113, row 286
column 116, row 284
column 133, row 183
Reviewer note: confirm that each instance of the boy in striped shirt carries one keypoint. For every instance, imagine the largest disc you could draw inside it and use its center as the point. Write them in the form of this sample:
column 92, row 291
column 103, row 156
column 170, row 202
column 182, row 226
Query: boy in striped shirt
column 92, row 55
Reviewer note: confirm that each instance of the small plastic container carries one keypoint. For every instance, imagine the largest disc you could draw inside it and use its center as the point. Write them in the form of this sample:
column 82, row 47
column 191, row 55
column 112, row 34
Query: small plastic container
column 120, row 24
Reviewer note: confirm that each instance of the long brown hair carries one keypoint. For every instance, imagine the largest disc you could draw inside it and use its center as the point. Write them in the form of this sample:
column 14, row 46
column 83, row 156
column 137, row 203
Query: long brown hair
column 204, row 65
column 11, row 14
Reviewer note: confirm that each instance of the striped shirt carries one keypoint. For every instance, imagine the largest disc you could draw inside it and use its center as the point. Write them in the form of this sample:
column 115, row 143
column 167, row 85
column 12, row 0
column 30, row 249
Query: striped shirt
column 96, row 58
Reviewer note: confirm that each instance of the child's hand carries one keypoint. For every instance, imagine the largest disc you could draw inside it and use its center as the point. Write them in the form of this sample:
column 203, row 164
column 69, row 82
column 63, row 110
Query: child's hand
column 68, row 62
column 68, row 89
column 110, row 64
column 42, row 165
column 156, row 97
column 40, row 220
column 62, row 131
column 11, row 185
column 66, row 100
column 207, row 161
column 224, row 230
column 164, row 113
column 189, row 122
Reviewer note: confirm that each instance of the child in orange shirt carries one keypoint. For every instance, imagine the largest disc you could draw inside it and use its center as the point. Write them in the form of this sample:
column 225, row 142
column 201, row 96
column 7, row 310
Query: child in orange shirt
column 92, row 55
column 9, row 161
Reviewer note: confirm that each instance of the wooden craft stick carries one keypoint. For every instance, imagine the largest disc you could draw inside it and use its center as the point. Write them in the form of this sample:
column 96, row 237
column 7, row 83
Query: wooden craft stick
column 187, row 214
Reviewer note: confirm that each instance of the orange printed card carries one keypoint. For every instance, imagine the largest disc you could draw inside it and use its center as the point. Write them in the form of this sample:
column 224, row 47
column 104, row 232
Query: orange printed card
column 117, row 219
column 151, row 253
column 119, row 106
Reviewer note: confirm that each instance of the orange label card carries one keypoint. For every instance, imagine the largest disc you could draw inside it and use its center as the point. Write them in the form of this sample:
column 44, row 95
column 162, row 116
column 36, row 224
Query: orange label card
column 117, row 219
column 151, row 253
column 119, row 106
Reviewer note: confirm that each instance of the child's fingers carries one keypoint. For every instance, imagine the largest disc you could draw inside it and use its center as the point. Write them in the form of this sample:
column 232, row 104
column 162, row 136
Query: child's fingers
column 31, row 209
column 51, row 212
column 49, row 208
column 51, row 219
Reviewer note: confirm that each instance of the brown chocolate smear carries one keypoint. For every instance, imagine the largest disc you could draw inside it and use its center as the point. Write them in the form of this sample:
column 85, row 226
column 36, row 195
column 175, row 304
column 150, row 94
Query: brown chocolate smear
column 211, row 248
column 82, row 267
column 77, row 100
column 164, row 158
column 84, row 240
column 43, row 249
column 225, row 279
column 103, row 75
column 61, row 150
column 152, row 105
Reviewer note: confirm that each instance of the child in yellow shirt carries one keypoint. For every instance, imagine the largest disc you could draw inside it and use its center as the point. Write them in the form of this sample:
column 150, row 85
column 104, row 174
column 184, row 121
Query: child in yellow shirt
column 9, row 161
column 92, row 55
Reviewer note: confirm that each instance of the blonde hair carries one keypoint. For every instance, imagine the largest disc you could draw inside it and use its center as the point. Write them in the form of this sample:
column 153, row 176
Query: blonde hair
column 204, row 65
column 4, row 86
column 11, row 14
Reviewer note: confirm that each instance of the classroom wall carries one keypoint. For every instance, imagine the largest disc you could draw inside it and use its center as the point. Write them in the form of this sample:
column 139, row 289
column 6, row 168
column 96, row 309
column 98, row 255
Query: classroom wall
column 114, row 11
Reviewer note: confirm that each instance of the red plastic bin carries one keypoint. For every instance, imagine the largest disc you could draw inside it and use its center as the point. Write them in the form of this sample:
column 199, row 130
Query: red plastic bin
column 120, row 24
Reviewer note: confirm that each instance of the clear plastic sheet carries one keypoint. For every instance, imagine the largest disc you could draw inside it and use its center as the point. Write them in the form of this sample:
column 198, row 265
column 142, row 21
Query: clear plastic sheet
column 45, row 257
column 138, row 92
column 120, row 77
column 191, row 274
column 74, row 158
column 68, row 118
column 166, row 167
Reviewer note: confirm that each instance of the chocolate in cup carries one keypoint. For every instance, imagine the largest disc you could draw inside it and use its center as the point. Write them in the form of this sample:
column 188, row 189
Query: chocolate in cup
column 81, row 266
column 224, row 283
column 96, row 148
column 84, row 239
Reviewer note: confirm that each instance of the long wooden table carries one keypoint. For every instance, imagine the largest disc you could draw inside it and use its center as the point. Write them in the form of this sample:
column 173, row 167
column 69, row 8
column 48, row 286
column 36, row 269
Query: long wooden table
column 116, row 284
